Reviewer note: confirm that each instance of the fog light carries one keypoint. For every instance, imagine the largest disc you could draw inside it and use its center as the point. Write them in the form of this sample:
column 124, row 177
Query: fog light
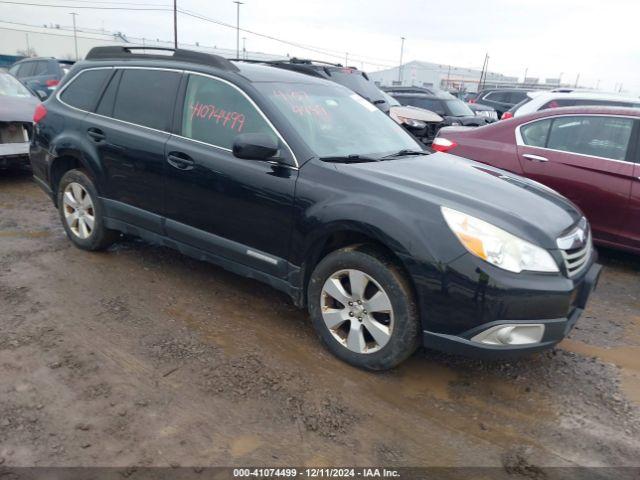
column 511, row 334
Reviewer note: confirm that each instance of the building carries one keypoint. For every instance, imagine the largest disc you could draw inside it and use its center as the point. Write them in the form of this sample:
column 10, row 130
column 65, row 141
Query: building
column 445, row 77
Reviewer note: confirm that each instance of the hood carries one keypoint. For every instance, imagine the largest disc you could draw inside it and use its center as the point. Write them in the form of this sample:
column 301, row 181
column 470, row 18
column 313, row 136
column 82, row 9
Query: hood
column 17, row 109
column 415, row 113
column 518, row 205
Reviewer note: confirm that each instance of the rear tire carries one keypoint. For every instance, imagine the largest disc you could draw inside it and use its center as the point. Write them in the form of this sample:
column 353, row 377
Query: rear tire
column 363, row 308
column 81, row 212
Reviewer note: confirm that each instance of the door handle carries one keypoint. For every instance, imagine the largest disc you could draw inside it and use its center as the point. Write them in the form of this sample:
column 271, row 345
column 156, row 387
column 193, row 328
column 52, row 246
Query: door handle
column 96, row 134
column 535, row 158
column 180, row 161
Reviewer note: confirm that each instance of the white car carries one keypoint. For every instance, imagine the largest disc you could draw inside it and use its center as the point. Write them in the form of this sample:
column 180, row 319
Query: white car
column 541, row 100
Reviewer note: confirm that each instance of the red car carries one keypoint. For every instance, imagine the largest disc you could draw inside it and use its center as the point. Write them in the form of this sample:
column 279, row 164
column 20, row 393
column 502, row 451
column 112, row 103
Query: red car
column 589, row 154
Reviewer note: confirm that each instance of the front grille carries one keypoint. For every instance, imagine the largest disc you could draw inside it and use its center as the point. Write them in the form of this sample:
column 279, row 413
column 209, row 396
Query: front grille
column 576, row 259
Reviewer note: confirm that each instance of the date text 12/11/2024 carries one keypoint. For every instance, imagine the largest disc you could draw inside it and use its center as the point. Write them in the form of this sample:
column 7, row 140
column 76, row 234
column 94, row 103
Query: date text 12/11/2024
column 309, row 472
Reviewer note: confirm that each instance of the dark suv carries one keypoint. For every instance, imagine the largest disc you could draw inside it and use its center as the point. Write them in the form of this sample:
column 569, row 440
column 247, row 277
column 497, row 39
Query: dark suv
column 501, row 99
column 270, row 174
column 41, row 75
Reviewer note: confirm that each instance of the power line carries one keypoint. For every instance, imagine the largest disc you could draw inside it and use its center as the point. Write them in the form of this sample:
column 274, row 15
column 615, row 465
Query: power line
column 86, row 7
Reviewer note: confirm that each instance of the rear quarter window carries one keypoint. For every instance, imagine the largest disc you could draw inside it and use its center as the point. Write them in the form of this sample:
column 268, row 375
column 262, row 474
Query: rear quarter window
column 535, row 134
column 83, row 91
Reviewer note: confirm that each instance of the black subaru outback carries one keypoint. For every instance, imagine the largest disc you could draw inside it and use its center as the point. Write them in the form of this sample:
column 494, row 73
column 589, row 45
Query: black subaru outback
column 270, row 174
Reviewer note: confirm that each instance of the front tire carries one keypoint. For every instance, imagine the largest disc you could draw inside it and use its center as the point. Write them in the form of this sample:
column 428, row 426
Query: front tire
column 81, row 212
column 363, row 308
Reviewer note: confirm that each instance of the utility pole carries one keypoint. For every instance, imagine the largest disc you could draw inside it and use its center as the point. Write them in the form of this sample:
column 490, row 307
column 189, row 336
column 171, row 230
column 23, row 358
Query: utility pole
column 598, row 84
column 560, row 79
column 244, row 48
column 238, row 3
column 482, row 72
column 524, row 79
column 577, row 80
column 175, row 24
column 28, row 45
column 400, row 66
column 75, row 34
column 346, row 59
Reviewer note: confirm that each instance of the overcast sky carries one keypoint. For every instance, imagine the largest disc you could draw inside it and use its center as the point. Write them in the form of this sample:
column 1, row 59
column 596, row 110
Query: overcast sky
column 597, row 39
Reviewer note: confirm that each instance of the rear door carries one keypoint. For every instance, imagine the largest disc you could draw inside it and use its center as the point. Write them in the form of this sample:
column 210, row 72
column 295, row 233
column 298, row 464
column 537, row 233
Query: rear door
column 587, row 158
column 129, row 130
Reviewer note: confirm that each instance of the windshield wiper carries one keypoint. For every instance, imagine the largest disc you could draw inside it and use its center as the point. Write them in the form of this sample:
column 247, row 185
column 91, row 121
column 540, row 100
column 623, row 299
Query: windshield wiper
column 406, row 153
column 355, row 158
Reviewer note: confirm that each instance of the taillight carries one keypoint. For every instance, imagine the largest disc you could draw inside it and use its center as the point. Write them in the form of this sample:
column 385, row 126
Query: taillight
column 40, row 113
column 52, row 83
column 506, row 116
column 472, row 100
column 443, row 144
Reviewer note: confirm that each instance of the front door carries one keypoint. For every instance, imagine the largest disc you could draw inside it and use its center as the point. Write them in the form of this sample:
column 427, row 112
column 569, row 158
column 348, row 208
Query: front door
column 238, row 209
column 585, row 158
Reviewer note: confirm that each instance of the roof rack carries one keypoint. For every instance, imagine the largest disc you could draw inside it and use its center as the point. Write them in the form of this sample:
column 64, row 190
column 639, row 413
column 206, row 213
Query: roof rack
column 297, row 61
column 179, row 55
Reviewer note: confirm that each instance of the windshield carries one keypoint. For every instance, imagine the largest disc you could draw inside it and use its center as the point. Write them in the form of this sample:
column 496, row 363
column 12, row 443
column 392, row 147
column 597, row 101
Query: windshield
column 11, row 87
column 335, row 122
column 457, row 108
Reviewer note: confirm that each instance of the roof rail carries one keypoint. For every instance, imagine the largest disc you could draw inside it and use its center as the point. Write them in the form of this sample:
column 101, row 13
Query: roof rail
column 179, row 55
column 294, row 60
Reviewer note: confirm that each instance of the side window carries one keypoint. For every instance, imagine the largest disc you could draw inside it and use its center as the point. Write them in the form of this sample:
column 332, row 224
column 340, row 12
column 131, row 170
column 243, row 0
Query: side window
column 146, row 97
column 600, row 136
column 498, row 96
column 83, row 91
column 517, row 97
column 14, row 70
column 105, row 107
column 535, row 134
column 215, row 112
column 40, row 68
column 26, row 69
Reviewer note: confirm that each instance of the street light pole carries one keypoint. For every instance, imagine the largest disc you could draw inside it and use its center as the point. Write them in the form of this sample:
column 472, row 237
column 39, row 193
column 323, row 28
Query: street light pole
column 175, row 24
column 75, row 34
column 560, row 79
column 238, row 3
column 244, row 48
column 400, row 66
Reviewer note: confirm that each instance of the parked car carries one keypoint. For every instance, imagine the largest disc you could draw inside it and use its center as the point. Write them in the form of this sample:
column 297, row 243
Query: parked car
column 349, row 77
column 500, row 99
column 589, row 154
column 536, row 101
column 41, row 75
column 17, row 105
column 423, row 124
column 452, row 109
column 300, row 183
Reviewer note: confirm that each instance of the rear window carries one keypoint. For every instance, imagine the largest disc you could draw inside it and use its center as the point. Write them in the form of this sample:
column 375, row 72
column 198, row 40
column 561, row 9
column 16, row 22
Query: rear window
column 146, row 97
column 83, row 91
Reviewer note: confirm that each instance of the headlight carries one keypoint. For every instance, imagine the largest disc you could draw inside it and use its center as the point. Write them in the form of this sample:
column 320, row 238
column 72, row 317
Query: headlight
column 496, row 246
column 455, row 124
column 411, row 122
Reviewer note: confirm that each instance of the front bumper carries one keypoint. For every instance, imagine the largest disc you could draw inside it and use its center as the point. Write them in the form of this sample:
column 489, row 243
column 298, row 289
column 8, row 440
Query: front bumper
column 555, row 329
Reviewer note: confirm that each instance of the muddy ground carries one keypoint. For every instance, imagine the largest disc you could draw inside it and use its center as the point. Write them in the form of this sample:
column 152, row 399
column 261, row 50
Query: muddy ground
column 141, row 356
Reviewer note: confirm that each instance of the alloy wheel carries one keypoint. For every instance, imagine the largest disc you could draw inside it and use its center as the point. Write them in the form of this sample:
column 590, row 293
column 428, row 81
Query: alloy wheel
column 357, row 311
column 79, row 211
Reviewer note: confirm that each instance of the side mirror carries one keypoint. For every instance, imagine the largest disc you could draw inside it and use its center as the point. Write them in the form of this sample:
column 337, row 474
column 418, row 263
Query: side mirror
column 255, row 146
